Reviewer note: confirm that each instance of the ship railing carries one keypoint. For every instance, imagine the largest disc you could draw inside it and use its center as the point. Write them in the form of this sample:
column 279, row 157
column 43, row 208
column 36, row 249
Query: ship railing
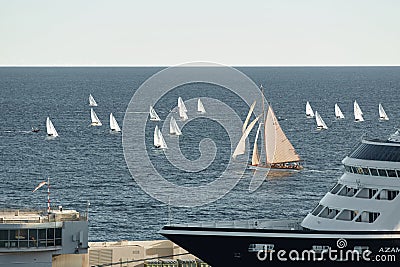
column 248, row 224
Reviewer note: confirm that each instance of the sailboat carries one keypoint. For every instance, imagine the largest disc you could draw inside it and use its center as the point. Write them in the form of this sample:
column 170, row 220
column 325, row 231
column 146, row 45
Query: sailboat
column 95, row 119
column 92, row 102
column 279, row 152
column 51, row 131
column 382, row 114
column 153, row 115
column 173, row 127
column 357, row 112
column 338, row 112
column 181, row 104
column 320, row 122
column 309, row 110
column 159, row 141
column 114, row 124
column 200, row 106
column 182, row 113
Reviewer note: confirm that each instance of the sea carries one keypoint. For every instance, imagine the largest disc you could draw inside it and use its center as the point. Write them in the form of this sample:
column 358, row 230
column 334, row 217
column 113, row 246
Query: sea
column 87, row 164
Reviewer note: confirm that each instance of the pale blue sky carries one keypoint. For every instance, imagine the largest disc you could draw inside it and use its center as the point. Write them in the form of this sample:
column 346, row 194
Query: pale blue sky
column 254, row 32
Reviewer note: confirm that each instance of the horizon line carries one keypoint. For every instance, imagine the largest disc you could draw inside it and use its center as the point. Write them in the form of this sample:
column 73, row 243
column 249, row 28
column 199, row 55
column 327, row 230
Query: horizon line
column 150, row 66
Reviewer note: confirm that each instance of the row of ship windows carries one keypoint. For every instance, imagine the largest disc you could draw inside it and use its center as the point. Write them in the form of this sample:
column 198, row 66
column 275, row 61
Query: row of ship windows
column 372, row 171
column 345, row 214
column 367, row 193
column 30, row 238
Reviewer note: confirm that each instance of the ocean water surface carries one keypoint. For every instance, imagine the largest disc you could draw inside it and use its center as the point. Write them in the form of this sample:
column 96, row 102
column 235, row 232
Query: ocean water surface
column 87, row 163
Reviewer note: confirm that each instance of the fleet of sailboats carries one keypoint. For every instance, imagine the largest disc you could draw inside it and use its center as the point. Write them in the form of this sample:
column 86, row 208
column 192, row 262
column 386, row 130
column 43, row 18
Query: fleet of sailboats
column 153, row 115
column 95, row 119
column 200, row 106
column 51, row 131
column 320, row 122
column 309, row 110
column 338, row 112
column 173, row 127
column 92, row 102
column 382, row 114
column 159, row 141
column 114, row 124
column 358, row 114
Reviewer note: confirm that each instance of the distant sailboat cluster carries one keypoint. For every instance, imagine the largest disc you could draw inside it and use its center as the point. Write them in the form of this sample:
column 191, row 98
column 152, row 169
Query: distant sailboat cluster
column 95, row 121
column 358, row 114
column 159, row 141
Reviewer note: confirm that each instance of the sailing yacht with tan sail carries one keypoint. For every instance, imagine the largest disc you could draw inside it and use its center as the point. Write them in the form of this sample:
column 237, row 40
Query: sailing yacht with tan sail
column 278, row 151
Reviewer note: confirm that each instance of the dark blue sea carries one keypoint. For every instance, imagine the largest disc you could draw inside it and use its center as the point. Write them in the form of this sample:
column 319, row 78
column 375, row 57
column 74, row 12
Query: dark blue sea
column 87, row 163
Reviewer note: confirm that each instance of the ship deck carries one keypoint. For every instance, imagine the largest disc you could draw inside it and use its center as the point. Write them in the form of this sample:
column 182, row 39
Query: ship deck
column 247, row 224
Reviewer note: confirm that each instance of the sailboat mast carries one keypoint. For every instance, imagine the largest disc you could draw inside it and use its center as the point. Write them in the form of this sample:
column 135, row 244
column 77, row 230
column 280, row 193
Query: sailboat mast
column 264, row 140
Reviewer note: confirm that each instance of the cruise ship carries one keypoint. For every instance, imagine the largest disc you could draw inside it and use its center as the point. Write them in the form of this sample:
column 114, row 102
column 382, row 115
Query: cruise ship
column 51, row 238
column 357, row 221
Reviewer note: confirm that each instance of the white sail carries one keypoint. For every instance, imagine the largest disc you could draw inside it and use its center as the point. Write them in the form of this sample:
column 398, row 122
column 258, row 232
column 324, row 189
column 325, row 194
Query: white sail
column 241, row 147
column 309, row 110
column 382, row 114
column 357, row 112
column 173, row 127
column 182, row 114
column 278, row 148
column 92, row 102
column 248, row 117
column 114, row 124
column 320, row 122
column 255, row 159
column 156, row 140
column 159, row 141
column 338, row 112
column 95, row 119
column 181, row 104
column 153, row 115
column 51, row 131
column 200, row 106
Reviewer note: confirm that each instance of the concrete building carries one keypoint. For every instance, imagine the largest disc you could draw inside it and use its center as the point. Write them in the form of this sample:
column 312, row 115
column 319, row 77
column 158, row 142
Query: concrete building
column 43, row 239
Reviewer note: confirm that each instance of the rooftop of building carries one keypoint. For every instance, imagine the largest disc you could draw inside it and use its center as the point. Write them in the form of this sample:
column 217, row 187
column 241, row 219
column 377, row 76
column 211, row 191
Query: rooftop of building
column 18, row 216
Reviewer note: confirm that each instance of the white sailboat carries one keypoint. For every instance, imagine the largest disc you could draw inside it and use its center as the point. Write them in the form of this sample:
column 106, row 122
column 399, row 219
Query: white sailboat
column 114, row 124
column 309, row 110
column 153, row 115
column 200, row 106
column 357, row 112
column 51, row 131
column 320, row 122
column 182, row 113
column 279, row 152
column 159, row 141
column 181, row 104
column 382, row 114
column 92, row 102
column 173, row 127
column 95, row 119
column 338, row 112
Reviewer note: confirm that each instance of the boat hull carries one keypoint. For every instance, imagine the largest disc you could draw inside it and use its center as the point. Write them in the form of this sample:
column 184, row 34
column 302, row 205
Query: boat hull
column 243, row 247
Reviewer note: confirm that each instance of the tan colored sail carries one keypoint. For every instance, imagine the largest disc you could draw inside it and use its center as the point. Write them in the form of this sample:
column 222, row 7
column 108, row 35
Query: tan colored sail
column 255, row 159
column 241, row 147
column 248, row 117
column 277, row 147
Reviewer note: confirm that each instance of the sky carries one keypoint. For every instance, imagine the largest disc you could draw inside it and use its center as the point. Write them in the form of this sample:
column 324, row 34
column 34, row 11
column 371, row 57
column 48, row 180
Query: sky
column 172, row 32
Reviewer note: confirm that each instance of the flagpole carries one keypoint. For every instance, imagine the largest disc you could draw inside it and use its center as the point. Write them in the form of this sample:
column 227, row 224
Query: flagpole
column 48, row 194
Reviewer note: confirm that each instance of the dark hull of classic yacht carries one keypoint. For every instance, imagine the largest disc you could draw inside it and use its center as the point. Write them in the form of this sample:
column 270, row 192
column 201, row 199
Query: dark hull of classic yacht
column 234, row 247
